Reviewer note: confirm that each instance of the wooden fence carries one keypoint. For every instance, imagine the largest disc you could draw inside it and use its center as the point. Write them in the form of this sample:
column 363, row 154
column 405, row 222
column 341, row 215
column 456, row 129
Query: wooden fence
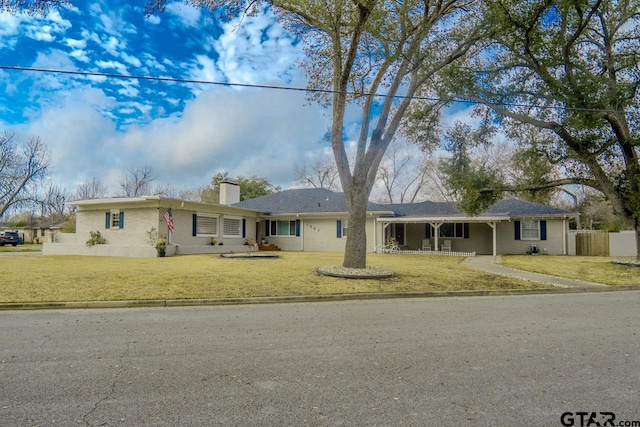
column 592, row 243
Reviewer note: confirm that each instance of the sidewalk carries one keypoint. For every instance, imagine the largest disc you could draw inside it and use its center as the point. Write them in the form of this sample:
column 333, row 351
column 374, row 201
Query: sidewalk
column 489, row 264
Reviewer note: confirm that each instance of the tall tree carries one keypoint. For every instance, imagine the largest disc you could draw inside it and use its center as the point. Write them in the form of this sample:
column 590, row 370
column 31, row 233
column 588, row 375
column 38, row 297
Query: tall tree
column 22, row 165
column 404, row 173
column 250, row 188
column 54, row 201
column 570, row 69
column 90, row 189
column 320, row 173
column 376, row 54
column 136, row 181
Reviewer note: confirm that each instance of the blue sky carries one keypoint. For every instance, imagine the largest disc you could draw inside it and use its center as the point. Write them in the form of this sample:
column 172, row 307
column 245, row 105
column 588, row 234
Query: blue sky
column 100, row 127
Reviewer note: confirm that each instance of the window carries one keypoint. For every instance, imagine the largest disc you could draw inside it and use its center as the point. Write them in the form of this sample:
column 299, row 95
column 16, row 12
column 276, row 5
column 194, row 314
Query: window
column 206, row 225
column 457, row 230
column 345, row 227
column 530, row 229
column 114, row 219
column 283, row 228
column 232, row 227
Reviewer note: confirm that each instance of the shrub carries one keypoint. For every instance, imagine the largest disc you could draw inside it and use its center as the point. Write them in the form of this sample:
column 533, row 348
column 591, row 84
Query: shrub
column 96, row 239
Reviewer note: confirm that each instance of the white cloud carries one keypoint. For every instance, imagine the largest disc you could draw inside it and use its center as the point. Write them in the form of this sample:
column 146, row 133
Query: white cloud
column 81, row 141
column 129, row 88
column 131, row 59
column 46, row 29
column 80, row 55
column 257, row 51
column 153, row 19
column 189, row 16
column 259, row 132
column 75, row 44
column 254, row 132
column 120, row 67
column 9, row 25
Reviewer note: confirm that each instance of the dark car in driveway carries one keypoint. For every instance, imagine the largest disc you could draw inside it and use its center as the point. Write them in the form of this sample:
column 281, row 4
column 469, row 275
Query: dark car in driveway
column 9, row 238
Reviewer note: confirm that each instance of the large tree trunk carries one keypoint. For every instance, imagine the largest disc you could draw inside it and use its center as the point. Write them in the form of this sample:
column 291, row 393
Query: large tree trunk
column 355, row 254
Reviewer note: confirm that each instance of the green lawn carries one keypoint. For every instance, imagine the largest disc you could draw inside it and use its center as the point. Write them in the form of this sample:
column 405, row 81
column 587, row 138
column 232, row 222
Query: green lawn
column 589, row 268
column 74, row 278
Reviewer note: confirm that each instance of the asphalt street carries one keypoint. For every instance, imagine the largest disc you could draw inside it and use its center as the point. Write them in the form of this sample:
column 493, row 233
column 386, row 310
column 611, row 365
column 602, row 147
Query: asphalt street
column 479, row 361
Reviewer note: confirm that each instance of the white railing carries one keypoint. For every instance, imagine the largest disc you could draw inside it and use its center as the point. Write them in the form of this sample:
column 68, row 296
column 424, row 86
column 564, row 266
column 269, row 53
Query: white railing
column 435, row 253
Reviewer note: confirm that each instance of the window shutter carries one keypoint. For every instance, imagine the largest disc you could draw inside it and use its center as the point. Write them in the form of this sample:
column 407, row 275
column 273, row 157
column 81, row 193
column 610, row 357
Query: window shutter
column 543, row 230
column 297, row 228
column 517, row 229
column 194, row 225
column 338, row 229
column 267, row 227
column 465, row 231
column 107, row 220
column 121, row 219
column 427, row 231
column 244, row 227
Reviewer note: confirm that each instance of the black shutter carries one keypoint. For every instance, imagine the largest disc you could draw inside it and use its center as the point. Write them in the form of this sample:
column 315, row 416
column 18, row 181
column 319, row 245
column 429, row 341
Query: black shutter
column 267, row 227
column 297, row 228
column 121, row 219
column 194, row 225
column 244, row 227
column 466, row 230
column 543, row 230
column 338, row 229
column 107, row 220
column 516, row 229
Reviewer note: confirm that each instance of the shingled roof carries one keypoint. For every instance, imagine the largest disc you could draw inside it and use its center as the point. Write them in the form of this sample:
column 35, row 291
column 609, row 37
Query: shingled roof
column 303, row 200
column 318, row 200
column 506, row 207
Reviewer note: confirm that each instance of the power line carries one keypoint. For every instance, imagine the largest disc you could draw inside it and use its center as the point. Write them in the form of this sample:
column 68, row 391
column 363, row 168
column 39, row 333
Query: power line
column 277, row 87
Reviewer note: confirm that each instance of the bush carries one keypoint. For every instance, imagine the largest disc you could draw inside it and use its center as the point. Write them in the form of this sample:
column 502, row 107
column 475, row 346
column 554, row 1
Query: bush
column 96, row 239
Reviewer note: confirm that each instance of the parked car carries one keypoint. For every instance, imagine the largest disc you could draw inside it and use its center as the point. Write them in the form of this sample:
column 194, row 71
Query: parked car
column 9, row 238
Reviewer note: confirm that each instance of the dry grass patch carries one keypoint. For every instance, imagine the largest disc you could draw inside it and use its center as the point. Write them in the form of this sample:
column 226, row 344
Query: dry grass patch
column 21, row 248
column 74, row 278
column 589, row 268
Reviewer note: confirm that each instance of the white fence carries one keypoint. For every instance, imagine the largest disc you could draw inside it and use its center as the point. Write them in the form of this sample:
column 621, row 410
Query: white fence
column 433, row 253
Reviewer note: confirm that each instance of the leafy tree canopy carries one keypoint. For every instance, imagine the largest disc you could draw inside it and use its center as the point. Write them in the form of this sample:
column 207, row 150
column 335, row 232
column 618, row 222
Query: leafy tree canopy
column 567, row 68
column 250, row 187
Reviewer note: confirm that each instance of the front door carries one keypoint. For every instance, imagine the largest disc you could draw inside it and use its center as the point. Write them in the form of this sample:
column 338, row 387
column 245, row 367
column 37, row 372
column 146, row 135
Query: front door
column 399, row 233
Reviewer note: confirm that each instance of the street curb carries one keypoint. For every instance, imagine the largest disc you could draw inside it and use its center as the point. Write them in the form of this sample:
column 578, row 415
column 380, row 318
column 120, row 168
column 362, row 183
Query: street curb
column 302, row 298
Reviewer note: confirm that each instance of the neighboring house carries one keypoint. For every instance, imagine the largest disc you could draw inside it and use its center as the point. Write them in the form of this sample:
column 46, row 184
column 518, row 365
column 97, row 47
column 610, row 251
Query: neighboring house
column 41, row 232
column 310, row 220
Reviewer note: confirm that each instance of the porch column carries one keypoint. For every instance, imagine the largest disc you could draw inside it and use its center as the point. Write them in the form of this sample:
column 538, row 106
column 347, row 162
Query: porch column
column 436, row 232
column 493, row 228
column 564, row 236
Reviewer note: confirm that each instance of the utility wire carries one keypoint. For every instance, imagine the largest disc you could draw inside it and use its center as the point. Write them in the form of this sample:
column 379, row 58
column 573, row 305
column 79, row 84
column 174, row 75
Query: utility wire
column 276, row 87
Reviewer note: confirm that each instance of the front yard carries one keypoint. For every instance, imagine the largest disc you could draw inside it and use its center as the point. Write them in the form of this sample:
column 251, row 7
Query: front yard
column 37, row 278
column 589, row 268
column 73, row 278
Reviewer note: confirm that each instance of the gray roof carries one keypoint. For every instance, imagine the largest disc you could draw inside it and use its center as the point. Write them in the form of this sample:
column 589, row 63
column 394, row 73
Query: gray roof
column 318, row 200
column 515, row 207
column 506, row 207
column 303, row 200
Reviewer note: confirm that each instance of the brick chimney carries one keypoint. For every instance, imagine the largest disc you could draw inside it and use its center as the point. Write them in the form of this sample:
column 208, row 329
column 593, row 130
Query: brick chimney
column 229, row 193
